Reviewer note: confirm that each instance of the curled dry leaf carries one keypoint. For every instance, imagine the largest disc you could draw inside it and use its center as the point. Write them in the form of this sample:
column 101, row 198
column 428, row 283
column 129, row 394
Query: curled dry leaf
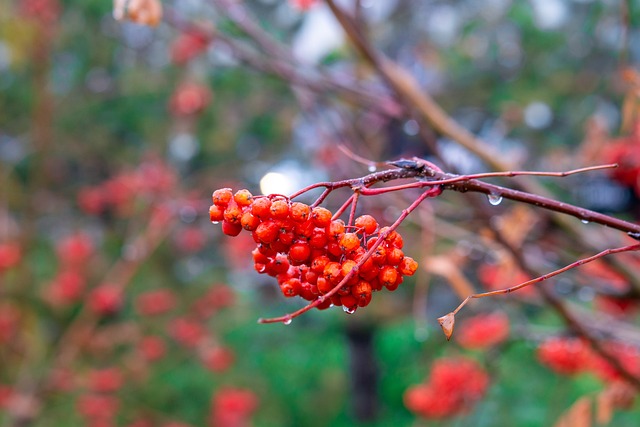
column 145, row 12
column 447, row 322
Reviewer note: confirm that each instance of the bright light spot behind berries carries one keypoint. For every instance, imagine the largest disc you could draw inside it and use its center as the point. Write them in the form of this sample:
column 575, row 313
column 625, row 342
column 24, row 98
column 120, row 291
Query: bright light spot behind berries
column 276, row 183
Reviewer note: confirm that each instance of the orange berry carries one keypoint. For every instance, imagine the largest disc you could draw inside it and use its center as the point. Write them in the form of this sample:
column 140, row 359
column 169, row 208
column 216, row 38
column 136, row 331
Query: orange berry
column 321, row 216
column 366, row 224
column 349, row 242
column 299, row 212
column 408, row 266
column 249, row 222
column 216, row 213
column 280, row 209
column 243, row 197
column 336, row 229
column 332, row 272
column 267, row 232
column 261, row 207
column 388, row 276
column 233, row 213
column 222, row 197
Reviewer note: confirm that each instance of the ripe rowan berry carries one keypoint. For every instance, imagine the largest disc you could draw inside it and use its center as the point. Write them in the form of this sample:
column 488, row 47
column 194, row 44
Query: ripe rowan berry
column 233, row 213
column 216, row 213
column 323, row 285
column 261, row 207
column 394, row 255
column 299, row 212
column 318, row 238
column 388, row 276
column 278, row 265
column 349, row 241
column 304, row 230
column 243, row 197
column 320, row 216
column 222, row 197
column 290, row 288
column 318, row 263
column 248, row 221
column 350, row 302
column 299, row 252
column 362, row 292
column 366, row 224
column 332, row 272
column 336, row 229
column 267, row 231
column 280, row 209
column 231, row 229
column 408, row 266
column 347, row 266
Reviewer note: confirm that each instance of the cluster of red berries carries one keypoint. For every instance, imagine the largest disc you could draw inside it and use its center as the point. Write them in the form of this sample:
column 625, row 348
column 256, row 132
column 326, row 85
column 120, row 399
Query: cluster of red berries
column 310, row 253
column 454, row 386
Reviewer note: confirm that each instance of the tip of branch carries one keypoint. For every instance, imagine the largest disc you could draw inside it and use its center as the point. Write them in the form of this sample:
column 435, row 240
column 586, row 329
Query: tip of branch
column 447, row 322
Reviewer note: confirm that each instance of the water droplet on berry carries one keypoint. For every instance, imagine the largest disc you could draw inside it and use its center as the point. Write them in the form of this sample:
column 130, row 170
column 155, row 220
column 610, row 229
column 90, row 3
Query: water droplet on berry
column 372, row 168
column 288, row 321
column 494, row 199
column 348, row 310
column 584, row 221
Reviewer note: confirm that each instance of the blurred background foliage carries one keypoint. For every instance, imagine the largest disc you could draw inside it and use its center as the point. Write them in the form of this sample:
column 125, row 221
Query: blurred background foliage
column 97, row 136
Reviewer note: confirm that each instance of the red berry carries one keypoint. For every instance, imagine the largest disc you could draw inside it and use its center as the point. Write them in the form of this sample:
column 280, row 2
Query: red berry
column 324, row 285
column 299, row 252
column 394, row 256
column 362, row 292
column 318, row 263
column 231, row 229
column 290, row 288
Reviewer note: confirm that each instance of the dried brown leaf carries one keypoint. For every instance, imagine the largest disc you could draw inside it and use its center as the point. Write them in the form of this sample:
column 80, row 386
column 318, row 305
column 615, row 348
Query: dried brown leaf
column 447, row 322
